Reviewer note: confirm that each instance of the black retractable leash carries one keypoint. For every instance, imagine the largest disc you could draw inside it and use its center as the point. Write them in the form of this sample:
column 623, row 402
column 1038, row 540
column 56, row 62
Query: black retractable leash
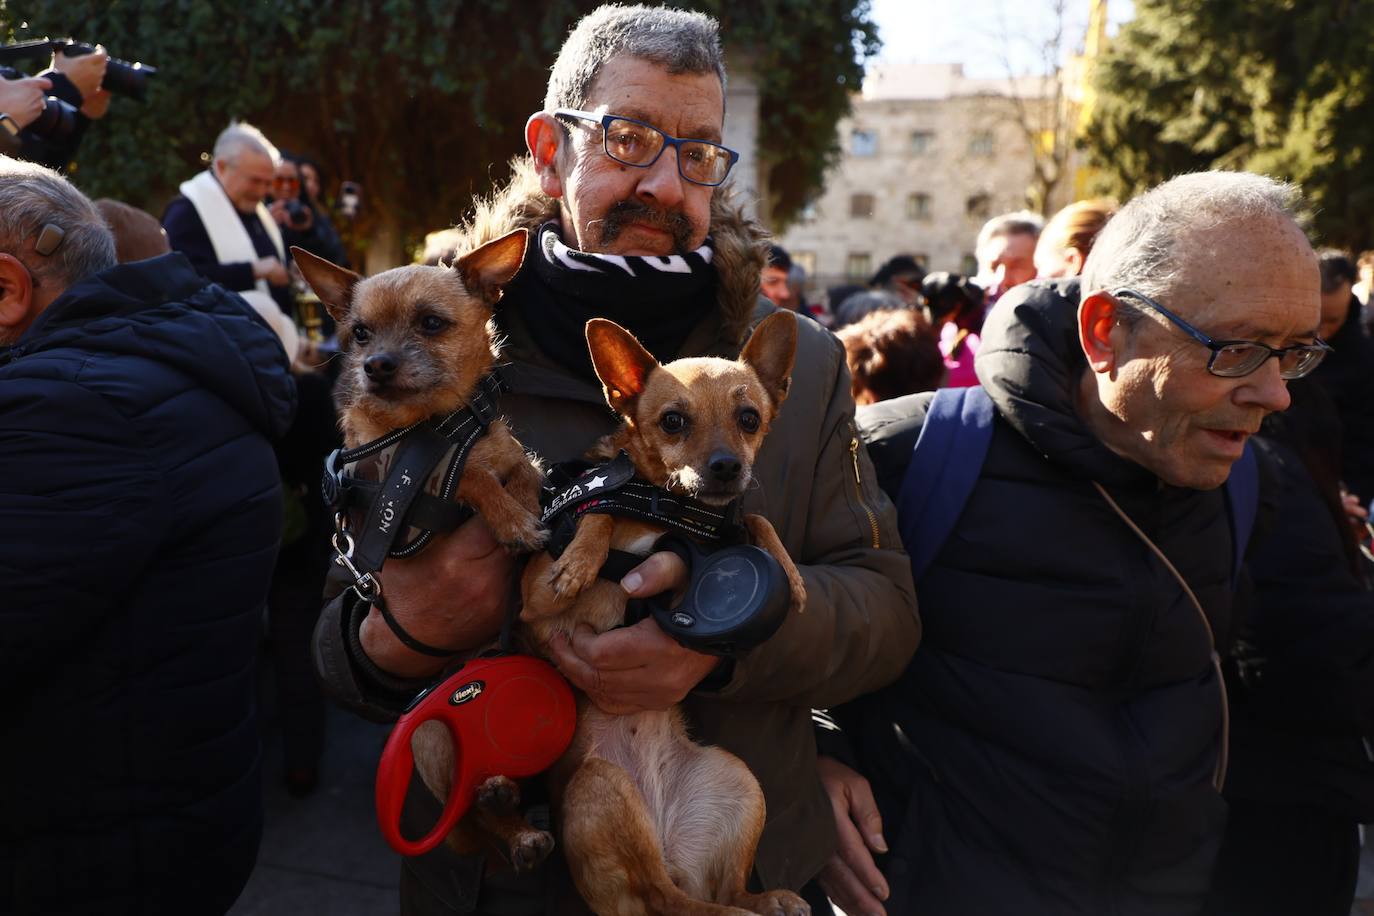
column 737, row 595
column 419, row 468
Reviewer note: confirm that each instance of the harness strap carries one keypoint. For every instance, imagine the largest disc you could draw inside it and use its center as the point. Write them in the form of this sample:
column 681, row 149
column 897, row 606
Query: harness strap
column 409, row 641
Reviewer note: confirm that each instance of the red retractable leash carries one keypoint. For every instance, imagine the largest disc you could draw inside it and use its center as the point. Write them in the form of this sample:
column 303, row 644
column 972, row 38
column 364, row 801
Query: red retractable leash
column 509, row 715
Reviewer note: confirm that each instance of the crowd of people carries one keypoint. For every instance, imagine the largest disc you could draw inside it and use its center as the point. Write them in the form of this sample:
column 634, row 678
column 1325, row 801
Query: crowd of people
column 1089, row 623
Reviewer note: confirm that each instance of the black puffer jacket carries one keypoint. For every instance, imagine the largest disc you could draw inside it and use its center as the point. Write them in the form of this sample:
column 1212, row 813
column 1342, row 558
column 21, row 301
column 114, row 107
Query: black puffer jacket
column 1050, row 748
column 141, row 510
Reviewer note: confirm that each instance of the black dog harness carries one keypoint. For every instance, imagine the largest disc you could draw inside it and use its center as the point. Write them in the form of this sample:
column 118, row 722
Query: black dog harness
column 738, row 594
column 390, row 496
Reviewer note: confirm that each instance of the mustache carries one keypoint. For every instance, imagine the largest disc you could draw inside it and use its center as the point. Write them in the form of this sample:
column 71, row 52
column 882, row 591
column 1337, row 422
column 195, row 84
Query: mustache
column 624, row 212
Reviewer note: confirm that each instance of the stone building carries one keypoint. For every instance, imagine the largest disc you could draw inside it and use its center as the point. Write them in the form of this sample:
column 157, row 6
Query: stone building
column 928, row 156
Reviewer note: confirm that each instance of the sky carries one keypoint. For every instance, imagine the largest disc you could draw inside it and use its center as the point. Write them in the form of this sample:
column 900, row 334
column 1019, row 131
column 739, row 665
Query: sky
column 981, row 34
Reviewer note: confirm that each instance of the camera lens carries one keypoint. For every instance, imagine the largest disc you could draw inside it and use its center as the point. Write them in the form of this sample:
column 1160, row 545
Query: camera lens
column 57, row 121
column 124, row 78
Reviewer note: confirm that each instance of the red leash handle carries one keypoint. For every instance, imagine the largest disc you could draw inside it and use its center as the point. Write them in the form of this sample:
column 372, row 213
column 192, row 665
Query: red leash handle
column 508, row 716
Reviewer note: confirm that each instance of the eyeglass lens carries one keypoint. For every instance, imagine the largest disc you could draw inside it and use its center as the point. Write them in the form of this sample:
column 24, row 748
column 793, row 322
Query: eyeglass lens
column 1242, row 359
column 638, row 144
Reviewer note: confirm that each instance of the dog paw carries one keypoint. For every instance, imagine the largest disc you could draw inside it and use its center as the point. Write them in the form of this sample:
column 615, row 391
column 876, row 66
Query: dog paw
column 526, row 537
column 529, row 849
column 569, row 578
column 498, row 795
column 774, row 903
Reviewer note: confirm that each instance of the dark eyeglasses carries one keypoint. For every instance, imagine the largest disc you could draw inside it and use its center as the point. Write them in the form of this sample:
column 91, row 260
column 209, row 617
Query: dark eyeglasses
column 639, row 144
column 1236, row 358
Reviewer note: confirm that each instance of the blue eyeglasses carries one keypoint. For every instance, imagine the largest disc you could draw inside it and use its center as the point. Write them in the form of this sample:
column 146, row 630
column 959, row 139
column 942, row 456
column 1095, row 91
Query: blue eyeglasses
column 1237, row 358
column 639, row 144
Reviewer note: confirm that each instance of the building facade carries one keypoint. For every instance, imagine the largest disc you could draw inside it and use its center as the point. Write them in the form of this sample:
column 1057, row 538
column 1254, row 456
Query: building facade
column 928, row 156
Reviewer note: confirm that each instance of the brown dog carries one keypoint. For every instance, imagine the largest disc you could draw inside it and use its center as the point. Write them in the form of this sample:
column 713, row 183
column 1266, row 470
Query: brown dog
column 416, row 343
column 652, row 822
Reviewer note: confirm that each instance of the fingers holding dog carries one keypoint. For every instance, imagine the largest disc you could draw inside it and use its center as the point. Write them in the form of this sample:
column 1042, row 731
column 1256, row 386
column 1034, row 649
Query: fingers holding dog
column 631, row 669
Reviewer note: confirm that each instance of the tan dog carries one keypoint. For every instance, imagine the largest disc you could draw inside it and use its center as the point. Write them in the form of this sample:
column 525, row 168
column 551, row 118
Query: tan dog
column 416, row 342
column 653, row 823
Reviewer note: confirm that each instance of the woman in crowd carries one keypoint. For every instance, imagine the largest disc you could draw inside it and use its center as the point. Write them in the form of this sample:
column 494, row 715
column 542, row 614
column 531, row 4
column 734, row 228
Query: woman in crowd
column 1068, row 237
column 892, row 352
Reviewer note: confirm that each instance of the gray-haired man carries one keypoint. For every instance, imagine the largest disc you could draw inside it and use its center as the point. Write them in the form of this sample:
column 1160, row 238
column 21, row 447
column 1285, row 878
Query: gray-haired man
column 1055, row 747
column 142, row 509
column 620, row 192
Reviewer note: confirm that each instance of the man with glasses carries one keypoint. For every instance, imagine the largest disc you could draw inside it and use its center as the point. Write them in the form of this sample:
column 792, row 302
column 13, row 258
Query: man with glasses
column 1057, row 744
column 622, row 195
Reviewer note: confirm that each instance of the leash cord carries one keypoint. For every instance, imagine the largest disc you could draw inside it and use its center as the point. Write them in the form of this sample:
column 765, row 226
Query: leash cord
column 1223, row 758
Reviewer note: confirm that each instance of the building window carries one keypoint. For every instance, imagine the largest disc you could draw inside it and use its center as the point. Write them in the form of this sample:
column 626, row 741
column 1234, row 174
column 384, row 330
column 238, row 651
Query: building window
column 968, row 264
column 863, row 142
column 921, row 141
column 979, row 206
column 981, row 144
column 918, row 206
column 861, row 206
column 858, row 265
column 806, row 260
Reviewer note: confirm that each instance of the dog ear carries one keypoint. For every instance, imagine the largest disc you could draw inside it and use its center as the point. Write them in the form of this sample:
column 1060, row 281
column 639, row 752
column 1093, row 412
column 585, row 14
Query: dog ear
column 332, row 283
column 620, row 361
column 492, row 266
column 770, row 352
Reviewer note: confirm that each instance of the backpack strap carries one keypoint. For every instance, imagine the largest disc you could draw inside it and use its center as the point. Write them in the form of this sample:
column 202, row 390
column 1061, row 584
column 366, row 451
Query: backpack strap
column 1242, row 503
column 944, row 468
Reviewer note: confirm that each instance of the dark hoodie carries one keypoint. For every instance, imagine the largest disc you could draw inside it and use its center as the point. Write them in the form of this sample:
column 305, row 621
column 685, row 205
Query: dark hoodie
column 141, row 510
column 1050, row 748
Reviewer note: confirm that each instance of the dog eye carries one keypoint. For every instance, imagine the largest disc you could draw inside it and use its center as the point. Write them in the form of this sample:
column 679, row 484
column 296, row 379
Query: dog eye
column 432, row 324
column 749, row 420
column 672, row 422
column 361, row 334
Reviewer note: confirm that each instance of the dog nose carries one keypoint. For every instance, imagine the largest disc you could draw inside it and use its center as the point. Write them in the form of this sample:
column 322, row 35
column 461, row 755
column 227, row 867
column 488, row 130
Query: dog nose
column 725, row 467
column 380, row 366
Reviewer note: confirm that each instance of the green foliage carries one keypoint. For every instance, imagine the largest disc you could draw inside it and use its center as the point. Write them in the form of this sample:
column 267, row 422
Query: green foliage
column 422, row 101
column 1284, row 87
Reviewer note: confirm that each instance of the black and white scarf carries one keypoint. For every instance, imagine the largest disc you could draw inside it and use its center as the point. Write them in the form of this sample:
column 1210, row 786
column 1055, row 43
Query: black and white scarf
column 658, row 299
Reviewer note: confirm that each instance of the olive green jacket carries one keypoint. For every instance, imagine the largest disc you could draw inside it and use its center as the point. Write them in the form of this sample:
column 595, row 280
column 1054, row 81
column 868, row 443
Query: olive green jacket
column 814, row 482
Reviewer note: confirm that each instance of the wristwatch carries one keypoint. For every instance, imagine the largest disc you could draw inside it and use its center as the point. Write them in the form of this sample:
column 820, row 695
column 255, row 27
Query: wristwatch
column 9, row 136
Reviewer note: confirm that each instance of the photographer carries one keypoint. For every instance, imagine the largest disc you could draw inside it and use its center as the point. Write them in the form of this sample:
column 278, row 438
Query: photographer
column 51, row 126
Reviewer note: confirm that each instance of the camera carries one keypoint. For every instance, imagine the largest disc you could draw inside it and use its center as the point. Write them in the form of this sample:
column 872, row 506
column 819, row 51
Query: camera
column 296, row 214
column 121, row 77
column 57, row 122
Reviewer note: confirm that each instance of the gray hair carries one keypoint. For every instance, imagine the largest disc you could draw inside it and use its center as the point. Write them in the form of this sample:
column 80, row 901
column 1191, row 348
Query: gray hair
column 1139, row 247
column 240, row 137
column 678, row 40
column 1018, row 223
column 31, row 197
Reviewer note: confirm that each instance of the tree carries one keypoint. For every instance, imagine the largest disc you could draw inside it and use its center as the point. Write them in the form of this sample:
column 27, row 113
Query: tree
column 421, row 102
column 1271, row 86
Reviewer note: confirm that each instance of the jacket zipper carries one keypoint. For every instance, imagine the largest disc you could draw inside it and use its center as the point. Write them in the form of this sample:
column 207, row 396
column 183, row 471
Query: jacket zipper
column 859, row 492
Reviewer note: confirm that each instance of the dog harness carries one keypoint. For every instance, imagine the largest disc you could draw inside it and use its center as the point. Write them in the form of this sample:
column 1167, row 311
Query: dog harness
column 390, row 496
column 737, row 595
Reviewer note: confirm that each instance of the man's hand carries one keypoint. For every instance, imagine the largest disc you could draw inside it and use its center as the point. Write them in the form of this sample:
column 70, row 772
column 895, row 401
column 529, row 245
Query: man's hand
column 271, row 270
column 451, row 595
column 86, row 72
column 95, row 106
column 851, row 878
column 636, row 668
column 23, row 100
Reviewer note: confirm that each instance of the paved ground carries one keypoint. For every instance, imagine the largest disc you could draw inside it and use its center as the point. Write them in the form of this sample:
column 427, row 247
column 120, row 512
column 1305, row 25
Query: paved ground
column 323, row 854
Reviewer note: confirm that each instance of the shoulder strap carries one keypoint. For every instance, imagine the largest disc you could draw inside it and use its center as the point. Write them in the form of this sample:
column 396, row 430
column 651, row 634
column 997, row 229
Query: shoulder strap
column 944, row 467
column 1242, row 503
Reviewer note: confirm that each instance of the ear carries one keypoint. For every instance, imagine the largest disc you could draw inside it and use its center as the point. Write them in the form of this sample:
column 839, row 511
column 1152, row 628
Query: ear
column 620, row 361
column 1074, row 258
column 16, row 298
column 1097, row 321
column 770, row 351
column 332, row 283
column 492, row 266
column 545, row 136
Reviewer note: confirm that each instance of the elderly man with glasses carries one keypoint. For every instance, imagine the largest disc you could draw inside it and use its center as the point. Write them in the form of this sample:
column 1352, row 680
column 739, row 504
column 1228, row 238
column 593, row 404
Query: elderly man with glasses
column 1058, row 744
column 622, row 195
